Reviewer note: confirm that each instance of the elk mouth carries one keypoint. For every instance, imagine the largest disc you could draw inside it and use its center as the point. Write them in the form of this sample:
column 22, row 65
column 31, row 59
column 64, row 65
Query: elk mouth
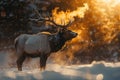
column 74, row 35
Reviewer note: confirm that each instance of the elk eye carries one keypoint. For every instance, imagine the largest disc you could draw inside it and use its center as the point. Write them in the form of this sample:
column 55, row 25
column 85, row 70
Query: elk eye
column 65, row 30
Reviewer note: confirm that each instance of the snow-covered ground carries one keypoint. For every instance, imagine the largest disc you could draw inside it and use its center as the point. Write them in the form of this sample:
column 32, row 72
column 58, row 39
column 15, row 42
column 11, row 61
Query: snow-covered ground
column 94, row 71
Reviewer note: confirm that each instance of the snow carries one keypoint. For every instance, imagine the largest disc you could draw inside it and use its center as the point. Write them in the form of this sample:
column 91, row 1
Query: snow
column 94, row 71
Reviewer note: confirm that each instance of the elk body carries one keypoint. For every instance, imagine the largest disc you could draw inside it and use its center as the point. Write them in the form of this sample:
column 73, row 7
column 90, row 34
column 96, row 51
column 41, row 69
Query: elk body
column 41, row 45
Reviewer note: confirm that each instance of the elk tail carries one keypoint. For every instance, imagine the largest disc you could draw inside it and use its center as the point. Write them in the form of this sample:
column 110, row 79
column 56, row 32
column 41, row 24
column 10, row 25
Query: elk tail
column 15, row 43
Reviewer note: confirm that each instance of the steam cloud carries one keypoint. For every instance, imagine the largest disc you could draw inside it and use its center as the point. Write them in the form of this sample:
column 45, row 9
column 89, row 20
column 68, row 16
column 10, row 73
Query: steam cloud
column 64, row 17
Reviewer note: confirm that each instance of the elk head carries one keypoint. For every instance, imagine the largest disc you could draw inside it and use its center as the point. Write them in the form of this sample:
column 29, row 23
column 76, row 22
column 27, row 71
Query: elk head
column 67, row 34
column 64, row 32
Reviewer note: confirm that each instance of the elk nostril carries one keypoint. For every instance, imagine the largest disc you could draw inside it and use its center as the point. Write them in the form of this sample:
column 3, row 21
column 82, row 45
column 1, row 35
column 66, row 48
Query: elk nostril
column 76, row 34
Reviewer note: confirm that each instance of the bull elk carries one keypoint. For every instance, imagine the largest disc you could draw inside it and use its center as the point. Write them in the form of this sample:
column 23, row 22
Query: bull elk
column 41, row 45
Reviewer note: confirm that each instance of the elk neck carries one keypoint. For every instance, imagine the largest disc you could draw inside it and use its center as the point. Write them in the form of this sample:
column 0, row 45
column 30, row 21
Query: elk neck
column 56, row 42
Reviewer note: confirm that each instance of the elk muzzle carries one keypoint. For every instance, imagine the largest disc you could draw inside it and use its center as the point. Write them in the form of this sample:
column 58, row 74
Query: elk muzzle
column 70, row 35
column 74, row 34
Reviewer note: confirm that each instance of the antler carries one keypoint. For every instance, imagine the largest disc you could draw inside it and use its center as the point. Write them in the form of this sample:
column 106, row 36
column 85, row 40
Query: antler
column 49, row 18
column 58, row 25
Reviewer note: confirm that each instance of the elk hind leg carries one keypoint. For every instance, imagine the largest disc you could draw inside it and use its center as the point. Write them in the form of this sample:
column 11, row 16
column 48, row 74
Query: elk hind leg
column 20, row 62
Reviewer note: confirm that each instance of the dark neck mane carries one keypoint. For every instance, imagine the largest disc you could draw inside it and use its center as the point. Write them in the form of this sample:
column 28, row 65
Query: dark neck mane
column 56, row 42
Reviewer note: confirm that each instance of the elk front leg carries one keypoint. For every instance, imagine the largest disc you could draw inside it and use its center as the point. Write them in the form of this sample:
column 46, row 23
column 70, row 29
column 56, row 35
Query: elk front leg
column 43, row 59
column 20, row 62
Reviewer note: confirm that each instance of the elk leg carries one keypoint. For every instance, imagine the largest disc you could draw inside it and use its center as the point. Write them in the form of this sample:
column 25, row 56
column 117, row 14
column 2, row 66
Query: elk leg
column 20, row 62
column 43, row 59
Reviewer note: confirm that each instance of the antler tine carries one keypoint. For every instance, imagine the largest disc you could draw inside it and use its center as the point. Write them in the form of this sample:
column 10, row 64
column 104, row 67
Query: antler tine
column 37, row 12
column 69, row 23
column 62, row 26
column 40, row 17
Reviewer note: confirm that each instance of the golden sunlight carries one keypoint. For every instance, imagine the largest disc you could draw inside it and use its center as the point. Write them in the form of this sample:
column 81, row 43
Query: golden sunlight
column 110, row 2
column 106, row 1
column 63, row 18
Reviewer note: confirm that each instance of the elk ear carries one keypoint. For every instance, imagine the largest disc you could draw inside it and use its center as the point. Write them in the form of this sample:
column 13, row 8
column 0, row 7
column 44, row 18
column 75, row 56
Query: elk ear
column 60, row 30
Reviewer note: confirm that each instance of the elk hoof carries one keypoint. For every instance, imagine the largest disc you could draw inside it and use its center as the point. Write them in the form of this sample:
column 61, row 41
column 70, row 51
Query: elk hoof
column 19, row 69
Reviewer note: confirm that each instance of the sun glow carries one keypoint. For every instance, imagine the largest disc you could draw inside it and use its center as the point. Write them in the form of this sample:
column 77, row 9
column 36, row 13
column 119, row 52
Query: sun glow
column 62, row 17
column 106, row 1
column 110, row 2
